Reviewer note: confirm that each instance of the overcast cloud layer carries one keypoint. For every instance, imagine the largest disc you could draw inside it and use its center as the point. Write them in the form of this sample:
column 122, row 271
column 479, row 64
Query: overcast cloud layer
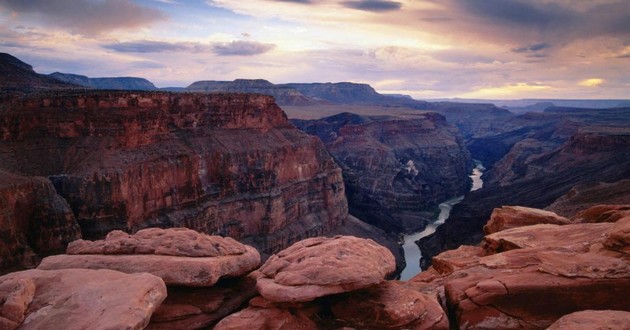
column 425, row 48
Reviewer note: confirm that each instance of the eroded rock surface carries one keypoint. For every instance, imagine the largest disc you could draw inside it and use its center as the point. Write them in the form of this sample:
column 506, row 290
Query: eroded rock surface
column 178, row 256
column 80, row 299
column 508, row 217
column 593, row 320
column 320, row 266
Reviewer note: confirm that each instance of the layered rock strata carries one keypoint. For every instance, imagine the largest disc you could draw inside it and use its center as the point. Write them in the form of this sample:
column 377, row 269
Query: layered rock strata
column 79, row 299
column 228, row 164
column 396, row 170
column 179, row 256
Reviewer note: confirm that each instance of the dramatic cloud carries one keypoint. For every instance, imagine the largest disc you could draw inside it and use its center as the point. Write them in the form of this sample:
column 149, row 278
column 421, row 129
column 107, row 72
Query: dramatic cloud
column 373, row 5
column 86, row 17
column 592, row 82
column 147, row 46
column 241, row 48
column 531, row 48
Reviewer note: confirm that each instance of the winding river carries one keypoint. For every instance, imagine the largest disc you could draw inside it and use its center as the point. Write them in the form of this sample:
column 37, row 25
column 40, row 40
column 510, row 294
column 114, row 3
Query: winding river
column 412, row 252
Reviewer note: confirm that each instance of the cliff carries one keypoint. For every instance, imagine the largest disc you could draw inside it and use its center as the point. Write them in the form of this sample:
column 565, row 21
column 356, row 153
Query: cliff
column 19, row 76
column 120, row 83
column 396, row 170
column 220, row 163
column 284, row 95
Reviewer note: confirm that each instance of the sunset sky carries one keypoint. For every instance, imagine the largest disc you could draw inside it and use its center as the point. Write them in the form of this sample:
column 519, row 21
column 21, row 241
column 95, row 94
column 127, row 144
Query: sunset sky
column 501, row 49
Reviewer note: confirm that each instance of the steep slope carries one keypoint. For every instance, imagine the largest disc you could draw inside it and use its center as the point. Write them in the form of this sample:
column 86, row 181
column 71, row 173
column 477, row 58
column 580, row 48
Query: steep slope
column 396, row 170
column 18, row 76
column 221, row 163
column 117, row 83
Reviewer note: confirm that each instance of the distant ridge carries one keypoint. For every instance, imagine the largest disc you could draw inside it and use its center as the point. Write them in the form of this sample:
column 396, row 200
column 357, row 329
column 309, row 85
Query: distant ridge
column 16, row 75
column 284, row 95
column 114, row 83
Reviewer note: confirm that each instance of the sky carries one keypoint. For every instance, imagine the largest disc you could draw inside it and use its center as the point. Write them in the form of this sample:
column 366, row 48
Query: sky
column 493, row 49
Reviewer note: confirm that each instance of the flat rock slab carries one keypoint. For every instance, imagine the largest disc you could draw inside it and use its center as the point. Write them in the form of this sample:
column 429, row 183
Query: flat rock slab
column 618, row 236
column 389, row 305
column 507, row 217
column 574, row 236
column 86, row 299
column 185, row 271
column 591, row 319
column 452, row 260
column 171, row 242
column 602, row 213
column 318, row 267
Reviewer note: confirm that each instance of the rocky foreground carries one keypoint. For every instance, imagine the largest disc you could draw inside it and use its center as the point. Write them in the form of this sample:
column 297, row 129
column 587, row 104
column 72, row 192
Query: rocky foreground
column 533, row 270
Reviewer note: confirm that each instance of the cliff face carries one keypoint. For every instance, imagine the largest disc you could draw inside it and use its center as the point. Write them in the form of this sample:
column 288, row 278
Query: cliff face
column 222, row 163
column 19, row 76
column 284, row 95
column 33, row 220
column 120, row 83
column 395, row 168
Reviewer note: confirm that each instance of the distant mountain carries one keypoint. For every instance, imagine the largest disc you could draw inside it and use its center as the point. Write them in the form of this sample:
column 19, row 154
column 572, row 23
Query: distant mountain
column 16, row 75
column 284, row 95
column 539, row 105
column 118, row 83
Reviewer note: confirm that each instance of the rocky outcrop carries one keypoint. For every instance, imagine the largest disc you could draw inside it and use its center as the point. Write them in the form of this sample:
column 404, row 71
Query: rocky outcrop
column 593, row 319
column 34, row 220
column 222, row 163
column 121, row 83
column 284, row 95
column 530, row 276
column 318, row 267
column 584, row 196
column 78, row 299
column 179, row 256
column 396, row 170
column 508, row 217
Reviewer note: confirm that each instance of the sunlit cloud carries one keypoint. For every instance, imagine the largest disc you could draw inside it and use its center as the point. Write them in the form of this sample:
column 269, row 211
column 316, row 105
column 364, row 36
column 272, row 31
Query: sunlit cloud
column 507, row 91
column 592, row 82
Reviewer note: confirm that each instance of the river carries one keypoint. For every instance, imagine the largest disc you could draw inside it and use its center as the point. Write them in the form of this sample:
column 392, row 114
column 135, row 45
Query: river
column 412, row 252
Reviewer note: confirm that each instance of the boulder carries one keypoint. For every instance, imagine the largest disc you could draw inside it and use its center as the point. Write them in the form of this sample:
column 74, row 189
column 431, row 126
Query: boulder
column 593, row 320
column 318, row 267
column 196, row 308
column 178, row 256
column 389, row 305
column 573, row 237
column 265, row 315
column 452, row 260
column 602, row 213
column 618, row 236
column 507, row 217
column 80, row 299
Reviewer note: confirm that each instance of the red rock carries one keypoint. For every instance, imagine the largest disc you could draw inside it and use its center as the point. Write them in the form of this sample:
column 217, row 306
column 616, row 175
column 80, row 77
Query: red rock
column 195, row 308
column 265, row 316
column 575, row 237
column 320, row 266
column 170, row 242
column 15, row 296
column 583, row 196
column 452, row 260
column 179, row 256
column 89, row 299
column 531, row 288
column 618, row 236
column 508, row 217
column 33, row 219
column 593, row 320
column 389, row 305
column 603, row 213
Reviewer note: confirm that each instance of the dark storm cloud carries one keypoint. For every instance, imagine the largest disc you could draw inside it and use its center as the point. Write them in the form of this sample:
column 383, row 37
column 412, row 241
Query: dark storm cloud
column 86, row 17
column 241, row 48
column 517, row 12
column 531, row 48
column 373, row 5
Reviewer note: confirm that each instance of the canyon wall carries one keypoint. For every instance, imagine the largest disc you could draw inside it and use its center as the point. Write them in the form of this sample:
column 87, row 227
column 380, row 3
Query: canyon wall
column 396, row 170
column 228, row 164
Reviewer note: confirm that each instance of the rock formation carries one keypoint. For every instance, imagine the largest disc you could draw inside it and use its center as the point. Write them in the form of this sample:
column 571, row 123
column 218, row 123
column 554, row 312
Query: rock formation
column 18, row 76
column 179, row 256
column 78, row 299
column 317, row 267
column 592, row 319
column 581, row 197
column 508, row 217
column 222, row 163
column 284, row 95
column 121, row 83
column 396, row 170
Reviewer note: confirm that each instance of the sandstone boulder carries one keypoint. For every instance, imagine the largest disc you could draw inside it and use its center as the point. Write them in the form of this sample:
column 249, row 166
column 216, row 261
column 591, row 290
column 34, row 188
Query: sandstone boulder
column 452, row 260
column 321, row 266
column 574, row 237
column 80, row 299
column 390, row 305
column 602, row 213
column 193, row 259
column 618, row 236
column 593, row 320
column 196, row 308
column 508, row 217
column 265, row 315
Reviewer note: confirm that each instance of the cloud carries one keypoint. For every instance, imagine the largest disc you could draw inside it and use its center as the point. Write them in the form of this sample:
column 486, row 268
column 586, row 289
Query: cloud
column 241, row 48
column 86, row 17
column 591, row 82
column 296, row 1
column 531, row 48
column 373, row 5
column 147, row 46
